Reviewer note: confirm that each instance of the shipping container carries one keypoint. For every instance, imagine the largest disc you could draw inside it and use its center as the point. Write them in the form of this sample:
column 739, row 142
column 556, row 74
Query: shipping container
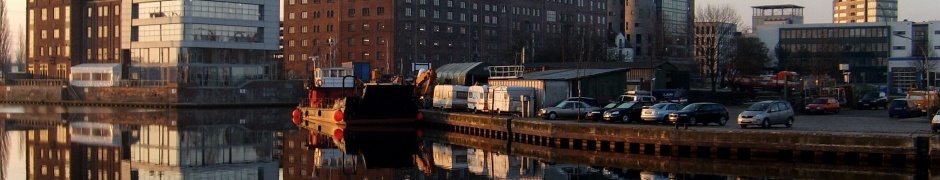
column 361, row 70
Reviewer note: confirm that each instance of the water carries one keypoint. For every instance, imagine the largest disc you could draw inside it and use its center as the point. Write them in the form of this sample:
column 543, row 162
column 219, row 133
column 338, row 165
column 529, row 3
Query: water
column 55, row 142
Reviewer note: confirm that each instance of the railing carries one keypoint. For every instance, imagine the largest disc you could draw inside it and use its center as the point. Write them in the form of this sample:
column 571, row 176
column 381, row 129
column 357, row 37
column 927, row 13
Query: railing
column 506, row 72
column 38, row 82
column 318, row 103
column 142, row 83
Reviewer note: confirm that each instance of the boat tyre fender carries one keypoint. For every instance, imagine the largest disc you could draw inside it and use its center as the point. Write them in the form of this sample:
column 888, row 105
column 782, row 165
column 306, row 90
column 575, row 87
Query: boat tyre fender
column 319, row 82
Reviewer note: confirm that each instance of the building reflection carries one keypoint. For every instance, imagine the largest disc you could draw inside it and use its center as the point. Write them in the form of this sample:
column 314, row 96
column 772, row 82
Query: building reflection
column 166, row 144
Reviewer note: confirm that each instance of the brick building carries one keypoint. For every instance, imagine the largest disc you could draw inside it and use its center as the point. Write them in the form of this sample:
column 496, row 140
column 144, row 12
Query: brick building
column 61, row 34
column 393, row 34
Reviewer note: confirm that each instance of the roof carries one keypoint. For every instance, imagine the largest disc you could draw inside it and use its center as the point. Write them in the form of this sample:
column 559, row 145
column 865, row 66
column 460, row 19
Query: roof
column 97, row 65
column 462, row 73
column 568, row 74
column 777, row 6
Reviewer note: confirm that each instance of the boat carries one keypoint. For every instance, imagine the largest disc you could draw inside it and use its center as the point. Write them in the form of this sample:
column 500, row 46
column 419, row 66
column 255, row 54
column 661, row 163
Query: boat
column 335, row 95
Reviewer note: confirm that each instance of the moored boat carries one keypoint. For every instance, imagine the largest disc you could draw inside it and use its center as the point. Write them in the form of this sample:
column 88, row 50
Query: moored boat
column 336, row 96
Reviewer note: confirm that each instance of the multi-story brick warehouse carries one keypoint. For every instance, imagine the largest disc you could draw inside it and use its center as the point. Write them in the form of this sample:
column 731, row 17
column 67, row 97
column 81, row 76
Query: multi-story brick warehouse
column 63, row 33
column 393, row 34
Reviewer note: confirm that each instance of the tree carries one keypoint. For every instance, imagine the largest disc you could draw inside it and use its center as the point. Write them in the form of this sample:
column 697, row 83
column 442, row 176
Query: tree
column 20, row 62
column 5, row 38
column 750, row 57
column 923, row 65
column 714, row 44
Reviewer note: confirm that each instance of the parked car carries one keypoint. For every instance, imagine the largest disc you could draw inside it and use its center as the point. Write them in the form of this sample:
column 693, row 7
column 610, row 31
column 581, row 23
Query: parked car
column 598, row 114
column 700, row 113
column 935, row 122
column 903, row 108
column 876, row 100
column 823, row 105
column 566, row 109
column 658, row 112
column 638, row 98
column 766, row 114
column 626, row 112
column 589, row 101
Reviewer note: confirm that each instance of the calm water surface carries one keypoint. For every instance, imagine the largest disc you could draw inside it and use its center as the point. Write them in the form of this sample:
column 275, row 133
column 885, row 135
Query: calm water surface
column 57, row 142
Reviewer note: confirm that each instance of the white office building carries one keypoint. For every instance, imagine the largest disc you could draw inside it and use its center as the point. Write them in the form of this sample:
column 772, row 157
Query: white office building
column 200, row 42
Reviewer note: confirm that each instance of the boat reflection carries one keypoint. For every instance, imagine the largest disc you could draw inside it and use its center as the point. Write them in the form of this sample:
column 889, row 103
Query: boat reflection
column 335, row 151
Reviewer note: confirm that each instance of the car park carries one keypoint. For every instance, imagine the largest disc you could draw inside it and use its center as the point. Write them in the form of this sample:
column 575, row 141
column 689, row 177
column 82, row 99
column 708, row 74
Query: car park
column 598, row 114
column 566, row 109
column 903, row 107
column 823, row 105
column 626, row 112
column 658, row 112
column 873, row 100
column 766, row 114
column 700, row 113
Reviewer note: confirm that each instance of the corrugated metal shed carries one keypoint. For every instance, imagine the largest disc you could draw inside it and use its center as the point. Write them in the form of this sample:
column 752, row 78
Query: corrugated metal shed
column 556, row 85
column 462, row 73
column 568, row 74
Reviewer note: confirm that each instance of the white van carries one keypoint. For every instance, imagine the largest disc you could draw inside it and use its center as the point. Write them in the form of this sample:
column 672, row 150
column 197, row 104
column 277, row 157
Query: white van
column 450, row 97
column 477, row 97
column 508, row 98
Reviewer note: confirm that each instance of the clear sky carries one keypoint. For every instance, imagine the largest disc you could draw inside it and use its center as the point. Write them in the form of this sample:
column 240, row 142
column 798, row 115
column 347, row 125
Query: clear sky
column 820, row 11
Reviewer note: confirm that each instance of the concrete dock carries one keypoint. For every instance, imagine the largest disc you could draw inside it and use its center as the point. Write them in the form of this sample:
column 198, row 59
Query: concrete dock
column 877, row 149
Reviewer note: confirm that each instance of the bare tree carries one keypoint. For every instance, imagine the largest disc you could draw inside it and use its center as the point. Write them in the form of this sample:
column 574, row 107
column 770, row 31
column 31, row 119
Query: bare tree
column 750, row 58
column 923, row 65
column 714, row 45
column 5, row 38
column 20, row 62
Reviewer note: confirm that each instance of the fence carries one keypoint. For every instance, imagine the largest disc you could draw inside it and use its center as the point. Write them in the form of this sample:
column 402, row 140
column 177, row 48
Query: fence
column 318, row 103
column 142, row 83
column 38, row 82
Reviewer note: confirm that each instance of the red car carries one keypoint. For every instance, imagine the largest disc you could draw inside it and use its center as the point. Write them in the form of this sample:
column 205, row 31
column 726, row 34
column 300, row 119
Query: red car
column 823, row 105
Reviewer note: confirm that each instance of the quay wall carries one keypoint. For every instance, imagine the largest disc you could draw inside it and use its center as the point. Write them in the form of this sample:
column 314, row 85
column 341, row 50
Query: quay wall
column 812, row 146
column 252, row 93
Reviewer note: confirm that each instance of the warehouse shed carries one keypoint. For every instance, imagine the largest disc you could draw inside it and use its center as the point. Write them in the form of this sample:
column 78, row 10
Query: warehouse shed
column 465, row 74
column 553, row 86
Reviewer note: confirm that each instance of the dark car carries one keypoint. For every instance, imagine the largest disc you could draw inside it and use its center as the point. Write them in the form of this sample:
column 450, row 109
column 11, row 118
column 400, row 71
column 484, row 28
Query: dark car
column 626, row 112
column 873, row 100
column 598, row 114
column 700, row 113
column 903, row 108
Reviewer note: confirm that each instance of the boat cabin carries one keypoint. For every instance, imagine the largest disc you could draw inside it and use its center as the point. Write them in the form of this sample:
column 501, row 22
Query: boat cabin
column 333, row 77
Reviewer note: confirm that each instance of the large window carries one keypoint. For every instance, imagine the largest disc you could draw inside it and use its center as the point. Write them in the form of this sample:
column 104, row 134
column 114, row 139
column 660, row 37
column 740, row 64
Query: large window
column 197, row 8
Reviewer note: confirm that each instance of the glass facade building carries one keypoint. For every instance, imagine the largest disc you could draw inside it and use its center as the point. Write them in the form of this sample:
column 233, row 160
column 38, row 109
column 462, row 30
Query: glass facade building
column 819, row 51
column 199, row 42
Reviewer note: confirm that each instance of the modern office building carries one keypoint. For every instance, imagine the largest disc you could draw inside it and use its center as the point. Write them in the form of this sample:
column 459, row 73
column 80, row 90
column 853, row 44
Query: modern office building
column 861, row 11
column 200, row 42
column 874, row 56
column 393, row 34
column 714, row 42
column 657, row 30
column 776, row 14
column 172, row 42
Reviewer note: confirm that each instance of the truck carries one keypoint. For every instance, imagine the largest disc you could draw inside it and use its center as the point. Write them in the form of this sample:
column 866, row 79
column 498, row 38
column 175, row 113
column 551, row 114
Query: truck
column 927, row 100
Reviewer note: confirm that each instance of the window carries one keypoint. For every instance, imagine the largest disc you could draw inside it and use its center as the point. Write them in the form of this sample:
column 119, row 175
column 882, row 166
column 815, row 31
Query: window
column 379, row 40
column 291, row 2
column 352, row 12
column 365, row 27
column 290, row 16
column 936, row 32
column 365, row 41
column 900, row 32
column 350, row 40
column 365, row 11
column 936, row 47
column 303, row 14
column 900, row 47
column 349, row 27
column 380, row 11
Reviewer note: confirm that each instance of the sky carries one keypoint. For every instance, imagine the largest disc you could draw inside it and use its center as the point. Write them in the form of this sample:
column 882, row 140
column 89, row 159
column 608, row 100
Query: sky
column 820, row 11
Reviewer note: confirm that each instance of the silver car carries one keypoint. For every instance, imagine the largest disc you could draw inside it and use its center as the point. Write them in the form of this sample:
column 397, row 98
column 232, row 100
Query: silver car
column 566, row 109
column 766, row 114
column 659, row 112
